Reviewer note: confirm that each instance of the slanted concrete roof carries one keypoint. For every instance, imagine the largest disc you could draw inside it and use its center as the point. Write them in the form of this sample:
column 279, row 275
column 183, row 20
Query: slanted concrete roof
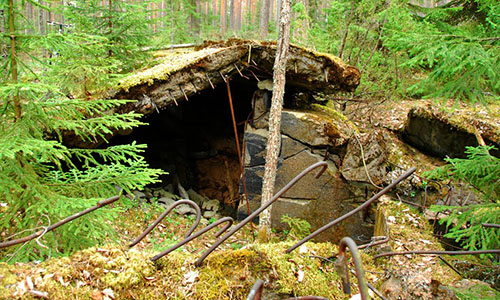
column 182, row 73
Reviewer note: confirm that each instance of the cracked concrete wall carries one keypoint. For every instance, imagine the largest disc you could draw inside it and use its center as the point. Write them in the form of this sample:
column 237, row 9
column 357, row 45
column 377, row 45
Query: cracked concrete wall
column 306, row 138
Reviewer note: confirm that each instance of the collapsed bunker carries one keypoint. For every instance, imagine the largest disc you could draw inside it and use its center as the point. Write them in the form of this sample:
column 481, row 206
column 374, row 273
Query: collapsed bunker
column 185, row 100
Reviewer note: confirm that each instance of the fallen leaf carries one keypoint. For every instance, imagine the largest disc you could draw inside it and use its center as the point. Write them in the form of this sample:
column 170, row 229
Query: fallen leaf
column 356, row 297
column 38, row 280
column 86, row 274
column 39, row 294
column 20, row 288
column 300, row 276
column 80, row 283
column 303, row 249
column 391, row 219
column 29, row 282
column 108, row 294
column 96, row 295
column 190, row 277
column 62, row 282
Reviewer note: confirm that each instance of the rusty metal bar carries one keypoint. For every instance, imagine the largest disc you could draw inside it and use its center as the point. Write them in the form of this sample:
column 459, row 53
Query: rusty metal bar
column 490, row 225
column 239, row 71
column 62, row 222
column 173, row 98
column 430, row 252
column 210, row 81
column 256, row 290
column 371, row 287
column 375, row 242
column 196, row 235
column 223, row 77
column 254, row 75
column 263, row 207
column 450, row 265
column 165, row 213
column 184, row 93
column 352, row 212
column 237, row 140
column 347, row 242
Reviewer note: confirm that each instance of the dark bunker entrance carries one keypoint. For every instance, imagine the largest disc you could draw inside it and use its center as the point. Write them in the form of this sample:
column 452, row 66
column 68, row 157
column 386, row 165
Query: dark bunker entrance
column 194, row 142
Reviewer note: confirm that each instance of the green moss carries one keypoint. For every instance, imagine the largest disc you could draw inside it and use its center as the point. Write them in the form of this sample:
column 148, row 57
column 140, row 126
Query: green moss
column 169, row 64
column 476, row 291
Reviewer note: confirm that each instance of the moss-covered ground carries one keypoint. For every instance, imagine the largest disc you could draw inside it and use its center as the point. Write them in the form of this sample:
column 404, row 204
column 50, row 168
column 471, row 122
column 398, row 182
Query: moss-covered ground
column 113, row 271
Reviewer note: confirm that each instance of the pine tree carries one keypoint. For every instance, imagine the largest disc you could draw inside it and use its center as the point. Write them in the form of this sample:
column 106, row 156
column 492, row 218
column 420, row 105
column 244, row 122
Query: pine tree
column 480, row 170
column 42, row 180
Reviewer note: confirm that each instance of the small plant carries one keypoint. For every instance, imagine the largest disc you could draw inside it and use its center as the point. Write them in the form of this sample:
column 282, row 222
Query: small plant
column 299, row 228
column 481, row 171
column 236, row 246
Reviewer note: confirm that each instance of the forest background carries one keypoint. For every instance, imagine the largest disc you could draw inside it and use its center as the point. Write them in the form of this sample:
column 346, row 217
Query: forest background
column 57, row 55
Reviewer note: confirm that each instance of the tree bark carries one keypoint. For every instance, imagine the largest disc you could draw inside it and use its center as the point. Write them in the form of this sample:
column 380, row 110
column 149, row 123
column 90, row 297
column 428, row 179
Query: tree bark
column 264, row 18
column 13, row 57
column 274, row 139
column 346, row 32
column 223, row 18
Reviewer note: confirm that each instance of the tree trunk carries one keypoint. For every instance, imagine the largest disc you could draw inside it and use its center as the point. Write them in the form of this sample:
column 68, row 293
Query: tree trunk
column 232, row 15
column 237, row 16
column 274, row 139
column 13, row 57
column 346, row 32
column 223, row 19
column 264, row 18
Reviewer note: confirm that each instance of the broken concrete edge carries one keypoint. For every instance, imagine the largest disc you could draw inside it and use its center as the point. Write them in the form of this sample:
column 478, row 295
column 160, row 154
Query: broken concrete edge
column 180, row 76
column 485, row 119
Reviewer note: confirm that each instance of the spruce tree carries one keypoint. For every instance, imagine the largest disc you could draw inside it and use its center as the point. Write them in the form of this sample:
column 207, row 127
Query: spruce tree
column 41, row 179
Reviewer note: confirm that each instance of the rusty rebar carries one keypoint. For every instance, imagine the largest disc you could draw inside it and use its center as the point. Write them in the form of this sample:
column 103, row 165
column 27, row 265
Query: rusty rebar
column 254, row 75
column 352, row 212
column 256, row 290
column 237, row 140
column 450, row 265
column 184, row 93
column 262, row 207
column 223, row 77
column 432, row 252
column 374, row 242
column 62, row 222
column 490, row 225
column 210, row 81
column 165, row 213
column 347, row 242
column 196, row 235
column 173, row 98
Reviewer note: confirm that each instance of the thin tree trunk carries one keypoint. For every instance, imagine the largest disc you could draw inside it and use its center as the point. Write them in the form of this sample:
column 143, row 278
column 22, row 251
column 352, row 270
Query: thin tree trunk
column 13, row 57
column 253, row 10
column 346, row 32
column 237, row 17
column 274, row 139
column 223, row 18
column 215, row 12
column 264, row 18
column 232, row 15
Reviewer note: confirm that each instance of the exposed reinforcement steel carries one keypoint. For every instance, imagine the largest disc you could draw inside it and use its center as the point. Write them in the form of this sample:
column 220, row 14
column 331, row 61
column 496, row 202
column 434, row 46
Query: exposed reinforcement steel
column 165, row 213
column 352, row 212
column 263, row 207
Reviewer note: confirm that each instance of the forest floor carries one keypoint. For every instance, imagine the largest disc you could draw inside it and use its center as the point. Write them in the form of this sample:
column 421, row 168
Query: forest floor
column 113, row 271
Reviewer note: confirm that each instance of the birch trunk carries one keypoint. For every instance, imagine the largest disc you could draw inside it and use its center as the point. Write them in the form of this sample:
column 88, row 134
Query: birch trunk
column 264, row 18
column 274, row 138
